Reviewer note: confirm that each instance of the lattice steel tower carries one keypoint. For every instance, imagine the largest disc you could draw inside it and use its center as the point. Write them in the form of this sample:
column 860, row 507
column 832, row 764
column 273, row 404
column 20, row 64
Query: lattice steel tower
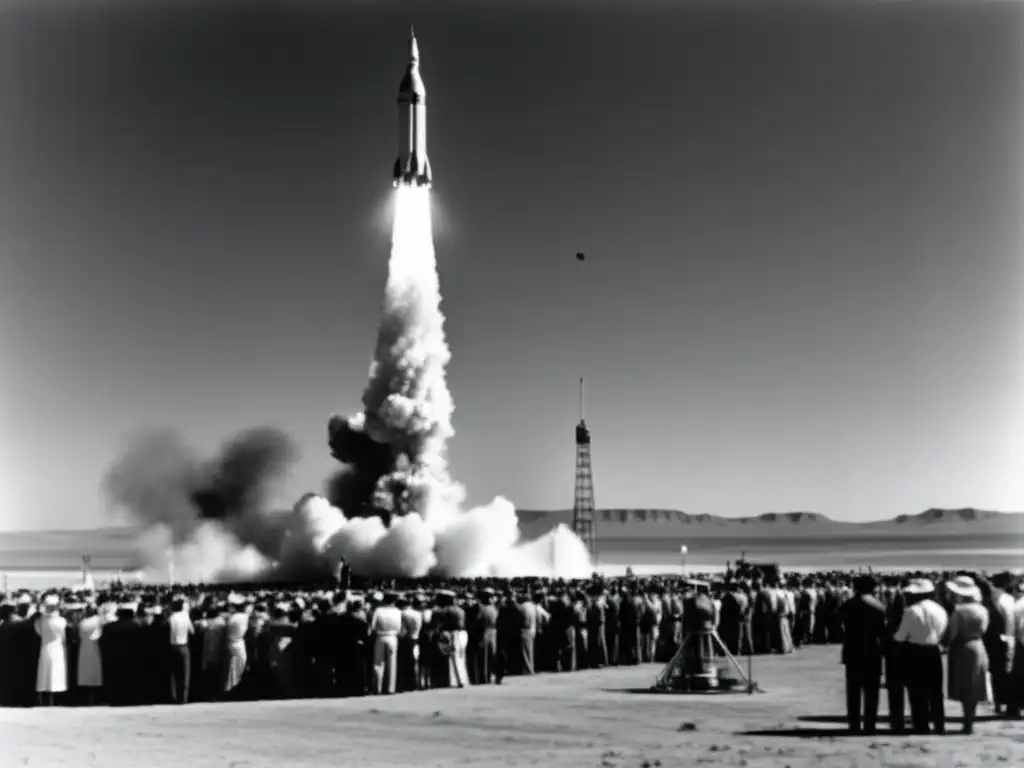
column 583, row 503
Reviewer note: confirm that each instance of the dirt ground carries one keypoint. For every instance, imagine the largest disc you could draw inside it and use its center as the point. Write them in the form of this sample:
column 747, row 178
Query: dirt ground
column 595, row 718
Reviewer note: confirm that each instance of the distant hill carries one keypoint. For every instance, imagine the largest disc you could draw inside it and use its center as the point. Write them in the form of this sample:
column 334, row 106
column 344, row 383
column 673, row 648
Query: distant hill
column 642, row 524
column 619, row 529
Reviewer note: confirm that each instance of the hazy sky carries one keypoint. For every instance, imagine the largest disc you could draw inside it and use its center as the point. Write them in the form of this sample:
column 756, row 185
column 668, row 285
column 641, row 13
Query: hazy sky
column 804, row 284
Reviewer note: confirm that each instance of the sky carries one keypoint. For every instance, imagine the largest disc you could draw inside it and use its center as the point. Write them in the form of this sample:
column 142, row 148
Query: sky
column 804, row 284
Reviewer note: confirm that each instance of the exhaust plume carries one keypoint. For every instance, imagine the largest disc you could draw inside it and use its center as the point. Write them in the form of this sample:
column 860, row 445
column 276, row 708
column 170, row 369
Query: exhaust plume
column 392, row 510
column 402, row 511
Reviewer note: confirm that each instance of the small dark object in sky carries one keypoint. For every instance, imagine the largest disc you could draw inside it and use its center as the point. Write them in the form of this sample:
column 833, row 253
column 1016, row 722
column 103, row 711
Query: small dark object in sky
column 580, row 256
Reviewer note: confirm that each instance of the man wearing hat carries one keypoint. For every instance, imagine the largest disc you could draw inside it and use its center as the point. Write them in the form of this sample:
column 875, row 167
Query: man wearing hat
column 385, row 624
column 921, row 630
column 863, row 618
column 51, row 669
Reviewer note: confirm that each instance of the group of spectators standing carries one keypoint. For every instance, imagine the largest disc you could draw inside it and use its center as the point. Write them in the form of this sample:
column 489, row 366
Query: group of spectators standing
column 978, row 622
column 175, row 644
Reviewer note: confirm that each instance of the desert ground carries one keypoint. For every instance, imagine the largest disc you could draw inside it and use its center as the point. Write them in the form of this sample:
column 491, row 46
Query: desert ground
column 595, row 718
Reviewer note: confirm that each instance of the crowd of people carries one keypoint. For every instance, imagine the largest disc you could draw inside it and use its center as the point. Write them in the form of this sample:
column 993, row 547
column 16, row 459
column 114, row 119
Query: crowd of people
column 163, row 644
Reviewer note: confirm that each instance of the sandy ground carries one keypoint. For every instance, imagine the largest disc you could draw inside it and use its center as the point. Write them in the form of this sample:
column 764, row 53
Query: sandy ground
column 584, row 719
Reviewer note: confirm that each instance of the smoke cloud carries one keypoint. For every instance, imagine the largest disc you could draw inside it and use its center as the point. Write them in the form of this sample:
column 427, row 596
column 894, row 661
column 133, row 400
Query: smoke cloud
column 392, row 510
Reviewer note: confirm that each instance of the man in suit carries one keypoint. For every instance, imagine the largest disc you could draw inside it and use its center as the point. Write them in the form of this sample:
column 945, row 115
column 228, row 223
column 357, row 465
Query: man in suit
column 486, row 664
column 526, row 621
column 121, row 652
column 731, row 618
column 864, row 639
column 598, row 644
column 330, row 629
column 805, row 610
column 895, row 673
column 354, row 632
column 611, row 627
column 629, row 629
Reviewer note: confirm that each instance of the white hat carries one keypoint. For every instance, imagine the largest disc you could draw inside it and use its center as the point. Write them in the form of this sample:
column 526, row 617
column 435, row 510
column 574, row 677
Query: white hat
column 25, row 599
column 235, row 599
column 919, row 587
column 964, row 586
column 51, row 602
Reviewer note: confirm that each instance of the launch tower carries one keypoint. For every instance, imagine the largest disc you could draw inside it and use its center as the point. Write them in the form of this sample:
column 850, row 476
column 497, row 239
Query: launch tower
column 583, row 502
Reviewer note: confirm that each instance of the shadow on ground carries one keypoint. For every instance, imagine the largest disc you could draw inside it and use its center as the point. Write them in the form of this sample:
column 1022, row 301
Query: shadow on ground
column 842, row 719
column 713, row 692
column 839, row 729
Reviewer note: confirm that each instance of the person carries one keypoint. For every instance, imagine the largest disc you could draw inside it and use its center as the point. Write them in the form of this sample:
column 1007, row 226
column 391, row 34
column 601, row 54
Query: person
column 236, row 657
column 921, row 629
column 968, row 660
column 998, row 639
column 90, row 662
column 805, row 610
column 277, row 654
column 354, row 633
column 864, row 639
column 119, row 653
column 1016, row 682
column 385, row 625
column 409, row 644
column 895, row 669
column 52, row 667
column 180, row 629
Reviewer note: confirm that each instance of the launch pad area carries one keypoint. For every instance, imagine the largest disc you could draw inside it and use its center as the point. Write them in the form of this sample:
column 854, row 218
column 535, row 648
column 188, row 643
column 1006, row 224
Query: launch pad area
column 593, row 718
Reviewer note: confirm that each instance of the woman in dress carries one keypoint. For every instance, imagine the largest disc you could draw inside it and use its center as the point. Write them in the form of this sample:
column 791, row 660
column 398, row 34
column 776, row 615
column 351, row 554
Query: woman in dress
column 52, row 668
column 968, row 662
column 236, row 658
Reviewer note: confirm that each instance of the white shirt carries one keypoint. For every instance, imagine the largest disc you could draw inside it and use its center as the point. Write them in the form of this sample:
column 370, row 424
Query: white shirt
column 1007, row 603
column 386, row 621
column 180, row 626
column 923, row 623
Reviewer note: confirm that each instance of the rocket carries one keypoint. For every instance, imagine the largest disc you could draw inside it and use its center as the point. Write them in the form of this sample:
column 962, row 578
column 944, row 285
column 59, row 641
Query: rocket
column 412, row 166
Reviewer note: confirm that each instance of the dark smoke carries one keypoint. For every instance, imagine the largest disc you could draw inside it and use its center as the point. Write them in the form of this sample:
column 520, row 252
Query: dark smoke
column 207, row 505
column 235, row 486
column 365, row 461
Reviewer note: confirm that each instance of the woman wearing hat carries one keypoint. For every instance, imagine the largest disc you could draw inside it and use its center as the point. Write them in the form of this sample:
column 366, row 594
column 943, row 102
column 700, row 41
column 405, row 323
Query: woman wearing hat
column 52, row 668
column 968, row 662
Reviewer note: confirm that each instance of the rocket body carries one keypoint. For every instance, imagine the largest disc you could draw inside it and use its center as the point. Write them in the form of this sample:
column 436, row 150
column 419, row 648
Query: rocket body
column 412, row 166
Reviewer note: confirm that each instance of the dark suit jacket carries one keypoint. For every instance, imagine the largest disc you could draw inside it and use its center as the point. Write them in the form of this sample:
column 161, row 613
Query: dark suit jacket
column 864, row 627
